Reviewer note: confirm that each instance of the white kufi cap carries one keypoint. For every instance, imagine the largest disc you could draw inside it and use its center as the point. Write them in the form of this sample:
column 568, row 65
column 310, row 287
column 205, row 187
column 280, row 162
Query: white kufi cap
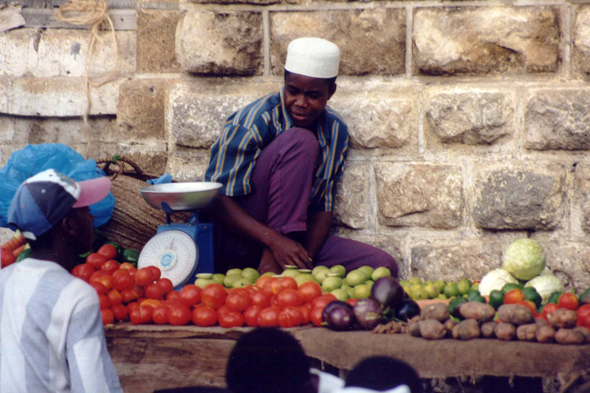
column 314, row 57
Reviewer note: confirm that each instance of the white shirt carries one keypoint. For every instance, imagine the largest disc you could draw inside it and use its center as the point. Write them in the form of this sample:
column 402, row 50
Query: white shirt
column 51, row 333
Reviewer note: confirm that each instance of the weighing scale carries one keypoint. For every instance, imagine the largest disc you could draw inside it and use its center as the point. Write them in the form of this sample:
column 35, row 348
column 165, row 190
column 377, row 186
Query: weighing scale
column 180, row 251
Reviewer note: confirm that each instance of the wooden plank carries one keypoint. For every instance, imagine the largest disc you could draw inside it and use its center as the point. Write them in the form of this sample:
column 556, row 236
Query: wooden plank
column 44, row 18
column 145, row 365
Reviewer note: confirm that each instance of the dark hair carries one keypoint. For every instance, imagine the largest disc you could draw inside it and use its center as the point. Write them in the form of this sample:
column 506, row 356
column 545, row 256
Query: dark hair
column 383, row 373
column 267, row 360
column 328, row 81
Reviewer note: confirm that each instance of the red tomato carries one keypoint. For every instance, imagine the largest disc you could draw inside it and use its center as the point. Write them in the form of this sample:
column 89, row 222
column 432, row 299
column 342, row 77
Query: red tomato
column 231, row 319
column 99, row 288
column 316, row 316
column 96, row 260
column 132, row 271
column 251, row 289
column 153, row 291
column 190, row 295
column 269, row 317
column 352, row 301
column 513, row 296
column 260, row 298
column 173, row 296
column 569, row 301
column 239, row 291
column 204, row 316
column 549, row 308
column 161, row 315
column 267, row 286
column 128, row 296
column 144, row 277
column 179, row 314
column 135, row 316
column 290, row 317
column 115, row 297
column 147, row 313
column 105, row 280
column 138, row 291
column 308, row 306
column 120, row 312
column 236, row 302
column 122, row 280
column 214, row 295
column 165, row 284
column 127, row 266
column 83, row 272
column 156, row 272
column 282, row 284
column 251, row 315
column 132, row 306
column 104, row 302
column 306, row 315
column 309, row 290
column 107, row 316
column 8, row 259
column 322, row 301
column 108, row 251
column 263, row 280
column 530, row 305
column 289, row 298
column 274, row 301
column 222, row 310
column 150, row 302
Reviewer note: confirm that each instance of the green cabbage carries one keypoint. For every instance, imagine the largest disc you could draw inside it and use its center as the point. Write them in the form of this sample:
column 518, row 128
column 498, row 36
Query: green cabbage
column 546, row 285
column 524, row 259
column 495, row 279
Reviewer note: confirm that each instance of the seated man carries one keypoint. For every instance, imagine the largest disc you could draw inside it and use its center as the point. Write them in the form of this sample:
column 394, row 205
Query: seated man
column 279, row 160
column 51, row 333
column 382, row 374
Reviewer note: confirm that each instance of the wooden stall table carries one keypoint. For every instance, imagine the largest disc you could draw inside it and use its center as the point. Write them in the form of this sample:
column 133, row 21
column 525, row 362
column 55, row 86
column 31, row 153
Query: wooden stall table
column 150, row 357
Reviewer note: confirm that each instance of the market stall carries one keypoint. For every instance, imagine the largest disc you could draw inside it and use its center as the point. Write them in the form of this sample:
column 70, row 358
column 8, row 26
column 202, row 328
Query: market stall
column 156, row 357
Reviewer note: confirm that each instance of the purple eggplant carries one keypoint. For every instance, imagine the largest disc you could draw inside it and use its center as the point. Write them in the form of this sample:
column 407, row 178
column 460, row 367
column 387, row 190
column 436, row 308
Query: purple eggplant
column 339, row 316
column 407, row 310
column 367, row 313
column 388, row 292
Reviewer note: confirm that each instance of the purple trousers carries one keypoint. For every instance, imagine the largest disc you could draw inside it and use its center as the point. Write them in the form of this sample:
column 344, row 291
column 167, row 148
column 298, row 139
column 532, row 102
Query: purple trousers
column 282, row 182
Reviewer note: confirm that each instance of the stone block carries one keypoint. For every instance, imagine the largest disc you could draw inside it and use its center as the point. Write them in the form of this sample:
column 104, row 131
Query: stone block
column 254, row 2
column 376, row 120
column 479, row 40
column 353, row 202
column 156, row 37
column 451, row 262
column 371, row 41
column 18, row 51
column 472, row 118
column 581, row 33
column 142, row 107
column 558, row 119
column 151, row 158
column 5, row 89
column 7, row 130
column 188, row 164
column 220, row 43
column 64, row 52
column 197, row 110
column 419, row 195
column 531, row 197
column 69, row 131
column 583, row 193
column 59, row 97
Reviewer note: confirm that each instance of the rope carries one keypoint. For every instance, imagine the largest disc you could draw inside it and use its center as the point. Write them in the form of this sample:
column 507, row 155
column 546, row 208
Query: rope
column 89, row 12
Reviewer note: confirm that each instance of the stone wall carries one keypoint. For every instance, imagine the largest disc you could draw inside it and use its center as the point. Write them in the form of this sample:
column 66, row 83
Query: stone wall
column 469, row 121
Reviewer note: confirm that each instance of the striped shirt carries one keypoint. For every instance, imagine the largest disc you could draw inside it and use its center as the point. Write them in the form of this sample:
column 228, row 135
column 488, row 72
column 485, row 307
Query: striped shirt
column 249, row 130
column 51, row 333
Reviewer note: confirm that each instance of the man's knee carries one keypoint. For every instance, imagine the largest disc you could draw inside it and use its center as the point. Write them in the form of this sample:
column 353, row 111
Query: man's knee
column 303, row 140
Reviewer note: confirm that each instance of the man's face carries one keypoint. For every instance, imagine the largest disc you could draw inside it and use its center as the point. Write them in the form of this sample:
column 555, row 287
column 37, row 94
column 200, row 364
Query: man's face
column 84, row 229
column 306, row 98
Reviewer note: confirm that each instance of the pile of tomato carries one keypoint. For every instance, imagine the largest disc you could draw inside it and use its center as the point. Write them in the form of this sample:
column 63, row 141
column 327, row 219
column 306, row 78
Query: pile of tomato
column 143, row 297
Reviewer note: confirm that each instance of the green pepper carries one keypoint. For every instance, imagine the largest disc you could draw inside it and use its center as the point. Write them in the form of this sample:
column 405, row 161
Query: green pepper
column 474, row 296
column 130, row 255
column 510, row 286
column 554, row 298
column 531, row 294
column 496, row 298
column 119, row 248
column 24, row 254
column 454, row 305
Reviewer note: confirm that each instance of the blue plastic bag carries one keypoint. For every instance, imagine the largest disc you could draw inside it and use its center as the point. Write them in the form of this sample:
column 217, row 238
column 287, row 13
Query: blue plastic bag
column 33, row 159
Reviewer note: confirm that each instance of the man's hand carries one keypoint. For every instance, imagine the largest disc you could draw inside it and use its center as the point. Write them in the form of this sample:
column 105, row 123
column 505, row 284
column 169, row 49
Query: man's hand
column 268, row 263
column 289, row 252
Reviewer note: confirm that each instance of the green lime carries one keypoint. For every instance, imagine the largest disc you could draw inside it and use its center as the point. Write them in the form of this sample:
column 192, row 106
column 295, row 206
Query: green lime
column 229, row 280
column 350, row 292
column 340, row 294
column 465, row 296
column 451, row 289
column 316, row 270
column 207, row 276
column 440, row 284
column 427, row 282
column 380, row 272
column 442, row 296
column 290, row 273
column 355, row 278
column 368, row 270
column 466, row 281
column 241, row 283
column 338, row 269
column 234, row 271
column 419, row 293
column 251, row 274
column 415, row 288
column 218, row 278
column 431, row 291
column 370, row 283
column 322, row 275
column 463, row 287
column 404, row 283
column 304, row 278
column 362, row 291
column 331, row 283
column 475, row 286
column 416, row 280
column 269, row 274
column 203, row 282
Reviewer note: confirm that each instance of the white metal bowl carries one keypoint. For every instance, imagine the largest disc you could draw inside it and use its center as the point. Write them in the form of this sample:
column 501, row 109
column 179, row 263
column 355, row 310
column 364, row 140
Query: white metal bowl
column 181, row 196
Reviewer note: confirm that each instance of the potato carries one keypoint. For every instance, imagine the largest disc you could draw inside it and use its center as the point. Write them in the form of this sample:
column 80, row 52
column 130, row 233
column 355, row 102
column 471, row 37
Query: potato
column 541, row 322
column 527, row 332
column 562, row 318
column 505, row 331
column 450, row 324
column 545, row 334
column 515, row 314
column 477, row 310
column 569, row 336
column 438, row 311
column 487, row 329
column 414, row 329
column 432, row 329
column 466, row 330
column 585, row 332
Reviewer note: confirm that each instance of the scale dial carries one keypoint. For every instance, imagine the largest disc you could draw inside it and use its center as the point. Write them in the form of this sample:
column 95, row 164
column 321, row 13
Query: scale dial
column 174, row 253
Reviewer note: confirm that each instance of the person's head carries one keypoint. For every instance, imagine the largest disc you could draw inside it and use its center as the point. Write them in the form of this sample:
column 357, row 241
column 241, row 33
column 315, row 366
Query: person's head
column 268, row 360
column 310, row 78
column 52, row 211
column 383, row 373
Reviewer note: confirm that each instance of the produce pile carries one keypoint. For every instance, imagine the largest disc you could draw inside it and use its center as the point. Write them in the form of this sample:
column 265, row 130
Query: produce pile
column 14, row 250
